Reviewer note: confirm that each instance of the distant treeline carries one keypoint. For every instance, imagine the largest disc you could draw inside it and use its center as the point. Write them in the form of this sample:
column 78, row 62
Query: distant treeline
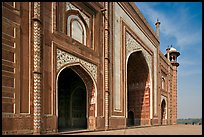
column 190, row 121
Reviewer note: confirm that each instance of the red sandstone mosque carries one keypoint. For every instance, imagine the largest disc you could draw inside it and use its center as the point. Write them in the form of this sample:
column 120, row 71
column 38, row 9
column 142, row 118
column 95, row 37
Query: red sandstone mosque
column 83, row 65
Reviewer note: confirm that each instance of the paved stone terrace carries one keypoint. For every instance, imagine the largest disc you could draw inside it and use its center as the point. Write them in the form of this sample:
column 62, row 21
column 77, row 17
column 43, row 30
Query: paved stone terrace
column 156, row 130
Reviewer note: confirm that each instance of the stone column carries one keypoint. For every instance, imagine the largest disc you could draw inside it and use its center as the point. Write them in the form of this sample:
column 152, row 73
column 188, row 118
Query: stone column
column 157, row 93
column 106, row 67
column 37, row 68
column 174, row 95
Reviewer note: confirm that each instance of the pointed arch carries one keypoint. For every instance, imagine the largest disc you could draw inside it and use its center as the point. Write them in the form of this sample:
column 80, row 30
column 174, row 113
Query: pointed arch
column 91, row 91
column 76, row 26
column 163, row 110
column 138, row 88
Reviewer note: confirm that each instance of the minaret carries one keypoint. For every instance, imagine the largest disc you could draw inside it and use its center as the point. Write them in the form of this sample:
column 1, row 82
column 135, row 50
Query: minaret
column 155, row 98
column 158, row 28
column 173, row 54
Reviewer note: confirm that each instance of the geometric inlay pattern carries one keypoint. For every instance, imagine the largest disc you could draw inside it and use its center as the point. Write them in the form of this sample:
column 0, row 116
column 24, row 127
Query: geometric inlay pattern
column 133, row 45
column 36, row 10
column 64, row 58
column 37, row 104
column 37, row 51
column 37, row 68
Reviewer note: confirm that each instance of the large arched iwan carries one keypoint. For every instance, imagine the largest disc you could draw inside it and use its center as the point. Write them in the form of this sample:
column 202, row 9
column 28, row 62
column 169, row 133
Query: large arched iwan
column 138, row 90
column 75, row 91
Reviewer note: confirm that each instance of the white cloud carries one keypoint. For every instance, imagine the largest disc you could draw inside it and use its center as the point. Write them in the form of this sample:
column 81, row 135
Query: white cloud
column 177, row 25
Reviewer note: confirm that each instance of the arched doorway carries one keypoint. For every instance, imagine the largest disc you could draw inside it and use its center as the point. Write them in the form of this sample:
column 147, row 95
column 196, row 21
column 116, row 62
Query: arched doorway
column 163, row 112
column 130, row 118
column 72, row 101
column 138, row 91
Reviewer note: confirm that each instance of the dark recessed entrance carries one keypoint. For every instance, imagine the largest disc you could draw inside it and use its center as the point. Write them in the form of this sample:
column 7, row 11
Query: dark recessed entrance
column 130, row 118
column 138, row 104
column 163, row 106
column 72, row 98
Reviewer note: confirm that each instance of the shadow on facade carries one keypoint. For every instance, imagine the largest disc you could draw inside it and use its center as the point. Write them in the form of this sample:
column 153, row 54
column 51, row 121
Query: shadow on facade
column 163, row 112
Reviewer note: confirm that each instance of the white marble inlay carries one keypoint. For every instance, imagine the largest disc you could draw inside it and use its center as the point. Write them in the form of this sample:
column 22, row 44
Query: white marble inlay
column 64, row 58
column 70, row 6
column 118, row 14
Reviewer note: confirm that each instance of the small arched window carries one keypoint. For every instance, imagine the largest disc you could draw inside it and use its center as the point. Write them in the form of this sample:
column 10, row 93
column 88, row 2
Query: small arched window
column 76, row 29
column 174, row 58
column 163, row 110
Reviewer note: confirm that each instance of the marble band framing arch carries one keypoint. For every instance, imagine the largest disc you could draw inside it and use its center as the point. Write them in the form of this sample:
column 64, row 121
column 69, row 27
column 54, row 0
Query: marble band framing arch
column 133, row 46
column 64, row 58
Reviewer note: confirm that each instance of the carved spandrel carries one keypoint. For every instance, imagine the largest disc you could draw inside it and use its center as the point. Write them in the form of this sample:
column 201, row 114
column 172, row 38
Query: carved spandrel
column 64, row 58
column 133, row 45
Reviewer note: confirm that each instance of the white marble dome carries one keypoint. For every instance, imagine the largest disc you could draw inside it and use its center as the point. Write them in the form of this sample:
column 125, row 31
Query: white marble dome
column 172, row 50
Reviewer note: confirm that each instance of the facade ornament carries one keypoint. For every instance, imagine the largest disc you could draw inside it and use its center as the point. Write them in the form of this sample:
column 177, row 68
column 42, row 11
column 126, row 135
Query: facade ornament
column 64, row 58
column 106, row 64
column 70, row 6
column 132, row 45
column 37, row 69
column 36, row 10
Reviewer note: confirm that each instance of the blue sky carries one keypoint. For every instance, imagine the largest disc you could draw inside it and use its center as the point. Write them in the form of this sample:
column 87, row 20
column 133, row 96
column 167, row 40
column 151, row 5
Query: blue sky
column 181, row 26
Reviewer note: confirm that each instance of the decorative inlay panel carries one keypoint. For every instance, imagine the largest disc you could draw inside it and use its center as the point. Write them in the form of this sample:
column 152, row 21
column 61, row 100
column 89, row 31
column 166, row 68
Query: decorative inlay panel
column 90, row 67
column 36, row 46
column 37, row 10
column 37, row 68
column 133, row 45
column 37, row 104
column 64, row 58
column 118, row 14
column 70, row 6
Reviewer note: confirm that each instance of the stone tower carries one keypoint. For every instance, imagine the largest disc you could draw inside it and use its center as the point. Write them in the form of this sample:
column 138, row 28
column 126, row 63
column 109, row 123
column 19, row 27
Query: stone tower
column 172, row 55
column 158, row 28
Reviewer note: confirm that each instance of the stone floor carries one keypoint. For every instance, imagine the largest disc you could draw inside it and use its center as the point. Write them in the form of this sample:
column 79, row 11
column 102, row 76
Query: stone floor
column 156, row 130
